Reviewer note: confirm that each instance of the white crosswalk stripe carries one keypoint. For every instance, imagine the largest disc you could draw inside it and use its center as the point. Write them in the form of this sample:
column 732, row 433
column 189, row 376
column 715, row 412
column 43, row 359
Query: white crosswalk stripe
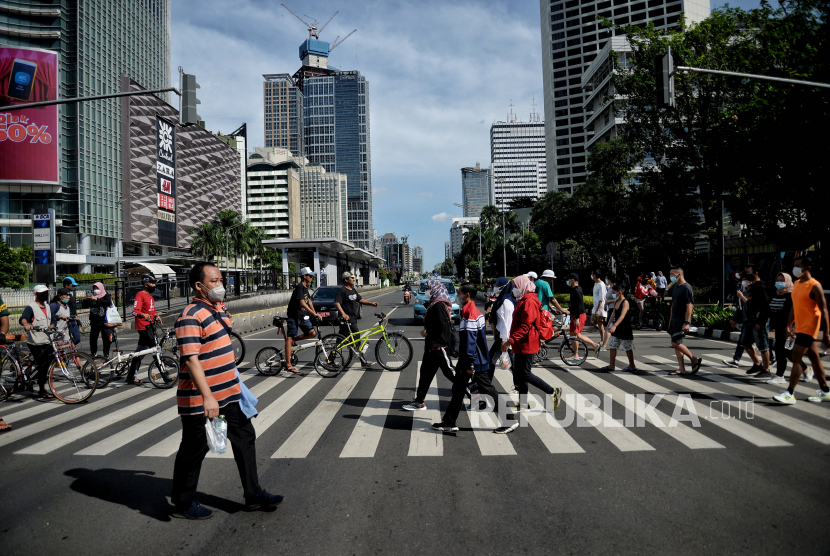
column 426, row 441
column 366, row 434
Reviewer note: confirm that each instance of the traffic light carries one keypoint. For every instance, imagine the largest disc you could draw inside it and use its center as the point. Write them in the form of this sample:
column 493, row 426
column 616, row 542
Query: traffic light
column 664, row 80
column 188, row 115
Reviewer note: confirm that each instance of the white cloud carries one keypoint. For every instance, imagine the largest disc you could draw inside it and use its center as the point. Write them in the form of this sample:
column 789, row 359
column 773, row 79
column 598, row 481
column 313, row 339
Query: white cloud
column 441, row 217
column 380, row 191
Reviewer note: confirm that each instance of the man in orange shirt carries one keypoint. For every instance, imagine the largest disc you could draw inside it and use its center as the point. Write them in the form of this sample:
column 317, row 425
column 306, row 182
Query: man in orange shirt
column 809, row 315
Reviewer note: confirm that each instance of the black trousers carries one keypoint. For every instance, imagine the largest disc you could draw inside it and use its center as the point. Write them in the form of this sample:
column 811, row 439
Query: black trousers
column 145, row 341
column 432, row 361
column 194, row 448
column 106, row 338
column 522, row 363
column 459, row 390
column 782, row 355
column 43, row 356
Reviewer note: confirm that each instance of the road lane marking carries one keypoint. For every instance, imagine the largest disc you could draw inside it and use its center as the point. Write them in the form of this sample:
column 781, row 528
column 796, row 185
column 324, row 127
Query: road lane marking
column 424, row 440
column 304, row 437
column 800, row 387
column 363, row 442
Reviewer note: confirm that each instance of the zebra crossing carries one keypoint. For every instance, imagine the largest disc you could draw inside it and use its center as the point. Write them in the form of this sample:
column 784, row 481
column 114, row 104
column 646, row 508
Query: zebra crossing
column 301, row 412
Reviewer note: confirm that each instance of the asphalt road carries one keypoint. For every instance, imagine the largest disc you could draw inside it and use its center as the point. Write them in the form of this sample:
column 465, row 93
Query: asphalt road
column 361, row 476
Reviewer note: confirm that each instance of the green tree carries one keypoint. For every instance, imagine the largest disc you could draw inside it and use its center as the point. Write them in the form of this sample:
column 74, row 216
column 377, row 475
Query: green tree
column 445, row 268
column 13, row 273
column 206, row 242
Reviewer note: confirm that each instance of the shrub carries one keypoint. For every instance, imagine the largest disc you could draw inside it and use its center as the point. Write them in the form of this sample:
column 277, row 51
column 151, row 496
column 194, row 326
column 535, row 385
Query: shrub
column 91, row 277
column 716, row 316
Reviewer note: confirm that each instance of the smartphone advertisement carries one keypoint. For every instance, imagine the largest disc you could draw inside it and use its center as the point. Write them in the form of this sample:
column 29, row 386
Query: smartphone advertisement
column 29, row 137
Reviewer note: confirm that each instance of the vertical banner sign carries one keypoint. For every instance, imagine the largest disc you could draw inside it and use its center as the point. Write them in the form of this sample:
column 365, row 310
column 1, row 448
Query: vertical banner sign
column 43, row 238
column 166, row 180
column 28, row 136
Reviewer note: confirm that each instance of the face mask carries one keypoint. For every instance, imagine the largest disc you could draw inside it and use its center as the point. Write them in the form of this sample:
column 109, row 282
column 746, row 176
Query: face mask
column 43, row 297
column 151, row 289
column 744, row 283
column 673, row 279
column 570, row 284
column 780, row 285
column 607, row 283
column 217, row 294
column 64, row 300
column 797, row 271
column 517, row 293
column 614, row 296
column 96, row 291
column 738, row 275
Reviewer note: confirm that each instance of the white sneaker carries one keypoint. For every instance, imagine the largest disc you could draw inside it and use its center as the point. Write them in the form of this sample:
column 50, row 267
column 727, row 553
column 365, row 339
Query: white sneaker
column 785, row 397
column 415, row 406
column 776, row 380
column 731, row 363
column 807, row 375
column 821, row 397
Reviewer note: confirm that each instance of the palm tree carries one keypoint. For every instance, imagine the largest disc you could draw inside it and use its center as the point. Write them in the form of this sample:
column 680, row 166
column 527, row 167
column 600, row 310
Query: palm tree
column 489, row 217
column 206, row 241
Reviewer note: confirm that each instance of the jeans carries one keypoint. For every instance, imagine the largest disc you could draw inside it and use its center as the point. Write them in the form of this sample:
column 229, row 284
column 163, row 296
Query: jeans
column 522, row 363
column 459, row 389
column 194, row 448
column 145, row 341
column 432, row 361
column 749, row 335
column 75, row 331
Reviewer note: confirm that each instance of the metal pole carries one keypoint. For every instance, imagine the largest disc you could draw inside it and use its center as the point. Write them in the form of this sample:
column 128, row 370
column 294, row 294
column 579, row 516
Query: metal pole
column 723, row 255
column 752, row 76
column 480, row 263
column 503, row 239
column 82, row 99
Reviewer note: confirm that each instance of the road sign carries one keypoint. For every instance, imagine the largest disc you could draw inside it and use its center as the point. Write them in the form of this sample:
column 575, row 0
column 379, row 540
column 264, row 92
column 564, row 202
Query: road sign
column 43, row 238
column 551, row 248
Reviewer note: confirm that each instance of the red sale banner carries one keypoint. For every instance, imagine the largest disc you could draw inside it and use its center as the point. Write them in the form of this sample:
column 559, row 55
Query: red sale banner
column 167, row 202
column 29, row 137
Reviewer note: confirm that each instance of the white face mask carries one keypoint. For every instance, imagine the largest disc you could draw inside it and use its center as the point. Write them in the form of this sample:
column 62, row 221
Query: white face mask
column 96, row 291
column 797, row 271
column 217, row 294
column 517, row 293
column 744, row 283
column 738, row 275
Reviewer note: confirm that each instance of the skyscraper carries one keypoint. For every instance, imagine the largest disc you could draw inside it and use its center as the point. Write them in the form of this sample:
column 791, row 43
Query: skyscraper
column 571, row 40
column 517, row 152
column 476, row 189
column 97, row 41
column 284, row 113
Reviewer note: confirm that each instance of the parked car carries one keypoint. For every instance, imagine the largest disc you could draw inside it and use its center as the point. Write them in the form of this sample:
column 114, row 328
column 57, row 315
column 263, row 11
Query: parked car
column 323, row 301
column 422, row 299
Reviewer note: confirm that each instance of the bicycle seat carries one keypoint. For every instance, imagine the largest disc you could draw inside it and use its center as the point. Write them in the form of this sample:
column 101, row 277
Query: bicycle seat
column 279, row 320
column 380, row 315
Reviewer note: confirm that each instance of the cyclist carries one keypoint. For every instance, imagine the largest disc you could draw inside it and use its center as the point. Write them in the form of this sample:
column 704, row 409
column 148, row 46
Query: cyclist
column 346, row 302
column 59, row 307
column 144, row 309
column 576, row 310
column 38, row 314
column 299, row 308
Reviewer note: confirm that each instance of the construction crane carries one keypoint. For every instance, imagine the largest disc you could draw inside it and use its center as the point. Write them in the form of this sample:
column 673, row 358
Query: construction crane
column 336, row 43
column 313, row 32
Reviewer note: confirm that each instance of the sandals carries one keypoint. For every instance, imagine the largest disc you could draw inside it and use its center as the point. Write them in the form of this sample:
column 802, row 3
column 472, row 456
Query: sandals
column 292, row 369
column 607, row 369
column 4, row 426
column 678, row 373
column 696, row 366
column 44, row 395
column 598, row 350
column 630, row 370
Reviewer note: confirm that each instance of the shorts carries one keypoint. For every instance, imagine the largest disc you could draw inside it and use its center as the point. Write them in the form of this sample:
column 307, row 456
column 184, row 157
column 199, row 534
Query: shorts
column 577, row 324
column 616, row 343
column 597, row 319
column 676, row 332
column 804, row 340
column 293, row 326
column 761, row 338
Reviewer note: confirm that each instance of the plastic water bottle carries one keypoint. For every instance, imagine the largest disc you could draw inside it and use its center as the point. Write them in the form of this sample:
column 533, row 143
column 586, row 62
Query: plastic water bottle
column 221, row 427
column 790, row 343
column 365, row 348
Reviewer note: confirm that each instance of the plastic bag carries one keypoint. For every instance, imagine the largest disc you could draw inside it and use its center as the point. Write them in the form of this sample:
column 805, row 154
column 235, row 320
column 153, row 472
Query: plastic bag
column 504, row 360
column 217, row 434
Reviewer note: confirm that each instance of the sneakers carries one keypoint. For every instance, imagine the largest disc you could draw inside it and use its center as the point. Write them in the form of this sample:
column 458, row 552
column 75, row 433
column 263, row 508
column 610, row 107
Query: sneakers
column 366, row 364
column 821, row 396
column 754, row 369
column 556, row 398
column 507, row 430
column 785, row 397
column 415, row 406
column 777, row 380
column 731, row 363
column 263, row 501
column 195, row 511
column 444, row 427
column 763, row 375
column 807, row 375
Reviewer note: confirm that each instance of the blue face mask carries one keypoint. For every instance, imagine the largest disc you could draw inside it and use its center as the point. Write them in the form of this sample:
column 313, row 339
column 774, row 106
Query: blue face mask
column 614, row 296
column 780, row 285
column 673, row 279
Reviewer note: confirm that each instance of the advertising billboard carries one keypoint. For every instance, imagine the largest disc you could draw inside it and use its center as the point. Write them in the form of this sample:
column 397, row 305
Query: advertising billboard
column 166, row 180
column 29, row 137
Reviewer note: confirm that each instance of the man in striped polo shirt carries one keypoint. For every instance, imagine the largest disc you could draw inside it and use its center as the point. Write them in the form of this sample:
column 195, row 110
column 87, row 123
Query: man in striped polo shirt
column 208, row 386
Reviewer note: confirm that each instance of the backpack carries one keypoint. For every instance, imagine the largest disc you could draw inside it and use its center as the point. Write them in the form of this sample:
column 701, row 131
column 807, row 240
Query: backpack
column 544, row 324
column 455, row 342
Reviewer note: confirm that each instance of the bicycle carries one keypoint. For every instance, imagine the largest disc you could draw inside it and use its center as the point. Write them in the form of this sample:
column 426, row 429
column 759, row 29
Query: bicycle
column 392, row 344
column 167, row 341
column 653, row 311
column 74, row 382
column 270, row 361
column 163, row 370
column 566, row 351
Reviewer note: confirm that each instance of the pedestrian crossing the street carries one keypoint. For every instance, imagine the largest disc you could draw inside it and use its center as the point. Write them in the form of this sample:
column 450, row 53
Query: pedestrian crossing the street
column 304, row 416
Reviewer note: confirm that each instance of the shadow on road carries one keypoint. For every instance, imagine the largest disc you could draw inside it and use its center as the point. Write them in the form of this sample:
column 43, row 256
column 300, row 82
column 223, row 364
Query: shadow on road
column 138, row 490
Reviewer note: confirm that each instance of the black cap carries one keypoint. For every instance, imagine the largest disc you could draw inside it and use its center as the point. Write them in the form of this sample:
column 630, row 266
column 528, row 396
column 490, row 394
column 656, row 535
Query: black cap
column 573, row 276
column 148, row 278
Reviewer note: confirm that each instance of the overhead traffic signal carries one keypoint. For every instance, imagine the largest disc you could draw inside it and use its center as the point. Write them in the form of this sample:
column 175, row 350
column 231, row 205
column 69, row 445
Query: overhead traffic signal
column 188, row 115
column 664, row 80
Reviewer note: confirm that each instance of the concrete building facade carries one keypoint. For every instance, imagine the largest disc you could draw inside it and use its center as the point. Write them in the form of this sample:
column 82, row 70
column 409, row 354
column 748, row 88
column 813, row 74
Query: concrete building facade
column 458, row 229
column 274, row 199
column 517, row 152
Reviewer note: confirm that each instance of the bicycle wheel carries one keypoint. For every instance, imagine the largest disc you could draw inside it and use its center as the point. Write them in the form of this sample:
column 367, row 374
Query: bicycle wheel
column 105, row 371
column 541, row 355
column 566, row 352
column 238, row 347
column 395, row 353
column 268, row 361
column 74, row 378
column 659, row 322
column 328, row 364
column 9, row 375
column 331, row 342
column 165, row 375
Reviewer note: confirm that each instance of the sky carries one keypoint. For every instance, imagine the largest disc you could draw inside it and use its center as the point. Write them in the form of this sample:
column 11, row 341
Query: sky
column 440, row 74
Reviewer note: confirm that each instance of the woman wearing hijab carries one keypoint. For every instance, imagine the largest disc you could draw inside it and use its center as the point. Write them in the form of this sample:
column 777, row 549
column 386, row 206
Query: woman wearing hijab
column 524, row 340
column 98, row 301
column 501, row 318
column 436, row 332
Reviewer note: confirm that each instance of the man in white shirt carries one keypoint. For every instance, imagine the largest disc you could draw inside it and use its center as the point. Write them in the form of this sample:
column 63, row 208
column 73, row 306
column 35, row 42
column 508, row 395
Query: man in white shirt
column 599, row 314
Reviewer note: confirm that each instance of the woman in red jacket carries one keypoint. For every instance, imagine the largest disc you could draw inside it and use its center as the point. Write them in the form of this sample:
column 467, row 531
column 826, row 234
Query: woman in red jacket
column 524, row 339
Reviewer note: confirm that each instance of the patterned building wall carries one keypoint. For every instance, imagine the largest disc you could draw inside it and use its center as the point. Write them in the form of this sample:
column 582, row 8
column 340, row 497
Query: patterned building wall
column 208, row 175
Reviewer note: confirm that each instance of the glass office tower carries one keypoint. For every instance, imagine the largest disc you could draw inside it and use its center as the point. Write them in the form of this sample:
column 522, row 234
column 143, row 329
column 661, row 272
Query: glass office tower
column 97, row 42
column 284, row 113
column 476, row 189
